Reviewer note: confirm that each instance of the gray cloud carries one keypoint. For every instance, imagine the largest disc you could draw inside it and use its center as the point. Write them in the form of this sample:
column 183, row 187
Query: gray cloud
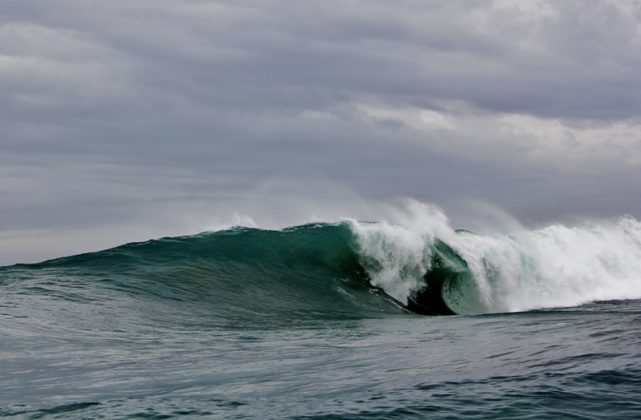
column 170, row 116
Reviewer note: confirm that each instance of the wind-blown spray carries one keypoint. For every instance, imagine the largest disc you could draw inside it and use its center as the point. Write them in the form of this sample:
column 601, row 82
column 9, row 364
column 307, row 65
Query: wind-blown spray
column 555, row 266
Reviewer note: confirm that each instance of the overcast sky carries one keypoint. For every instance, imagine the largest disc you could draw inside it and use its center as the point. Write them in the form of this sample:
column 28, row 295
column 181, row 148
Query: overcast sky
column 123, row 120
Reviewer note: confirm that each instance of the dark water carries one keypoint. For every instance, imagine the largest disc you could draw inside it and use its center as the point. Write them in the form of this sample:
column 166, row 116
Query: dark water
column 309, row 323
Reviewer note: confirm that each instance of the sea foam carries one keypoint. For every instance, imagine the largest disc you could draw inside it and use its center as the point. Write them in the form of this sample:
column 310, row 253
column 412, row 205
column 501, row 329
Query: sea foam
column 553, row 266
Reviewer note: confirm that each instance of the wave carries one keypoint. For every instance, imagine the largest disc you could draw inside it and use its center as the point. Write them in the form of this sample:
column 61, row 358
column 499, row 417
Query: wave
column 357, row 269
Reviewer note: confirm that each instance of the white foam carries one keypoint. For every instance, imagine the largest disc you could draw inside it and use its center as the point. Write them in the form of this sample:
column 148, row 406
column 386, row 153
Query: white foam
column 555, row 266
column 397, row 255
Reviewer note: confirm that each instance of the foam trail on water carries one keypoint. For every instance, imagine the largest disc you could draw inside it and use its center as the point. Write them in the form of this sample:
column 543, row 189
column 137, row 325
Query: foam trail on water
column 555, row 266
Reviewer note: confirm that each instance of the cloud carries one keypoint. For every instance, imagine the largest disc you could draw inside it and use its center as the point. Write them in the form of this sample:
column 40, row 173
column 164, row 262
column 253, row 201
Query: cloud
column 526, row 139
column 113, row 112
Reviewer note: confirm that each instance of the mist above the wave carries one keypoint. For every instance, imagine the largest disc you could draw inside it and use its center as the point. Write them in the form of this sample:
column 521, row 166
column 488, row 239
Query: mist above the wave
column 112, row 214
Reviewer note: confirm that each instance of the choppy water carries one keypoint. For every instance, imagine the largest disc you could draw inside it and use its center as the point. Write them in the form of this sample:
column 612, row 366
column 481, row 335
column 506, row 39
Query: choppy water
column 311, row 322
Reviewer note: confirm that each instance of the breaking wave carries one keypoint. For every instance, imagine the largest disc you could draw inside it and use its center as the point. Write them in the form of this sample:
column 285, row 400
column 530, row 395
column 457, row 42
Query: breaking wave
column 357, row 269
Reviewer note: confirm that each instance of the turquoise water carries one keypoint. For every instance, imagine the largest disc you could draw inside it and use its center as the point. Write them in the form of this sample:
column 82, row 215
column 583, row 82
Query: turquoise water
column 313, row 322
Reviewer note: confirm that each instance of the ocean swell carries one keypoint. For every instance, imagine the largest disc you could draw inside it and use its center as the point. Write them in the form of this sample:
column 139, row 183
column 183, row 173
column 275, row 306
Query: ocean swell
column 355, row 269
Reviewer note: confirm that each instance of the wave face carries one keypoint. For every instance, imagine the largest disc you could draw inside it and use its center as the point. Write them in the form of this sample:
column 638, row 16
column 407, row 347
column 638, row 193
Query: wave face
column 236, row 275
column 362, row 269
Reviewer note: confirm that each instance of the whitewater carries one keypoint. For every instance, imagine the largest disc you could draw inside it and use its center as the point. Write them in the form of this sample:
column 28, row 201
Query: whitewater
column 327, row 320
column 550, row 267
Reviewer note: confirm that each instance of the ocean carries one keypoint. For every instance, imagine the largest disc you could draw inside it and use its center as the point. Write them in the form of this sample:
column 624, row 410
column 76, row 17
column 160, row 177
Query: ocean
column 331, row 321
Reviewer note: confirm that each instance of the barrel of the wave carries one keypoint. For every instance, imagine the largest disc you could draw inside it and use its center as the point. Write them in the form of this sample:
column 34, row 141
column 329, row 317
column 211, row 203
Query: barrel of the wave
column 445, row 284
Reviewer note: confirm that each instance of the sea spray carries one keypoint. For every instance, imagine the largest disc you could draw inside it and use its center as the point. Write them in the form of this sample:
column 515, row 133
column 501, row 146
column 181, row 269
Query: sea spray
column 397, row 256
column 568, row 266
column 555, row 266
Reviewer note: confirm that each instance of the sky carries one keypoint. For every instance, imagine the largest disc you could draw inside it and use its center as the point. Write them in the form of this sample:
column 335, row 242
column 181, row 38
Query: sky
column 124, row 120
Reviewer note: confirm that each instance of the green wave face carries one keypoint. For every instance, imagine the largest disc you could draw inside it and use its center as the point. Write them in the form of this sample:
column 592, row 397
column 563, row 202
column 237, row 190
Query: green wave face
column 240, row 274
column 310, row 271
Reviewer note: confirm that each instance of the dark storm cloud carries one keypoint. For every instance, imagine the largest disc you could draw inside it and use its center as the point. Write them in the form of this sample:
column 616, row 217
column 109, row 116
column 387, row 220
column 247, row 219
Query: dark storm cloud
column 131, row 112
column 573, row 60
